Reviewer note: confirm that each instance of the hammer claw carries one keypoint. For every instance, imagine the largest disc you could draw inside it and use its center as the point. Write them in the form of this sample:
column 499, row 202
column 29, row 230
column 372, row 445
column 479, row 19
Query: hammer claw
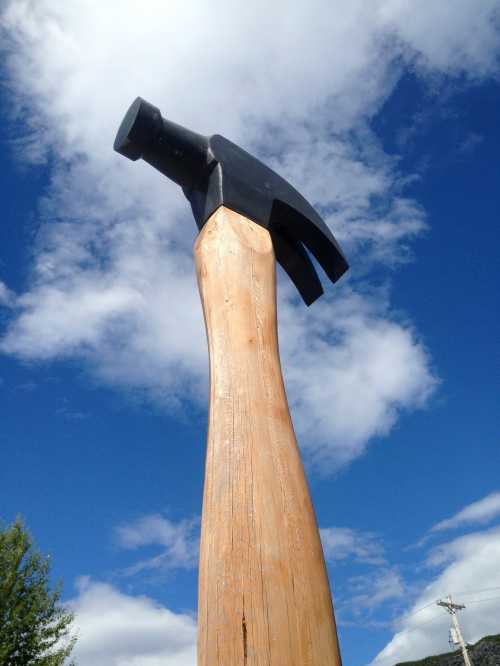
column 291, row 255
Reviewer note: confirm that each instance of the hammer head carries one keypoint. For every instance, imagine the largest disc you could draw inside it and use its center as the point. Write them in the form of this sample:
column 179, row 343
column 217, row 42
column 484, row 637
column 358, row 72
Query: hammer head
column 213, row 172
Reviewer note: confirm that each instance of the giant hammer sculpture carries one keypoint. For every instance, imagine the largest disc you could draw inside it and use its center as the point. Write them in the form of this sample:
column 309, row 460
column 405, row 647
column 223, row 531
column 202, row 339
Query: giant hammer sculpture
column 264, row 598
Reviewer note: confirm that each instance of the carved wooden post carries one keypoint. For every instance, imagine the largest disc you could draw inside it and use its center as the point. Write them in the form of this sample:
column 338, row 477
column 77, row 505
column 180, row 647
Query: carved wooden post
column 264, row 598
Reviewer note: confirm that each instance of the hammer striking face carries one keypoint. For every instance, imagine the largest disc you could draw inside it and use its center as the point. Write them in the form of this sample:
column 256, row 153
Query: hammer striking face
column 213, row 172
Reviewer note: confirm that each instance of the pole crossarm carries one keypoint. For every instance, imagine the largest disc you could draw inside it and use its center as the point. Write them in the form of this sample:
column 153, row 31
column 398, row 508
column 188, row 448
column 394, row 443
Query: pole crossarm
column 450, row 606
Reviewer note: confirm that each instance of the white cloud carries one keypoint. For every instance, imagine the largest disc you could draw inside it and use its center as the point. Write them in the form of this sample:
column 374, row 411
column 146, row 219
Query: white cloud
column 179, row 542
column 113, row 281
column 480, row 512
column 359, row 598
column 362, row 201
column 462, row 38
column 116, row 629
column 348, row 379
column 364, row 600
column 468, row 570
column 7, row 297
column 341, row 543
column 371, row 591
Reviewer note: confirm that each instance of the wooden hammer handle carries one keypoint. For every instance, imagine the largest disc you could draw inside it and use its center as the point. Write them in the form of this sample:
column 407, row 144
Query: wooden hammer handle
column 264, row 598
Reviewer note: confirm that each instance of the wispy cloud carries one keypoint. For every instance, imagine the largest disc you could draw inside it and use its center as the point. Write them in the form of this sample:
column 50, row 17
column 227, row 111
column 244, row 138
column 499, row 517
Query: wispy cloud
column 66, row 411
column 7, row 297
column 370, row 599
column 470, row 143
column 367, row 597
column 345, row 543
column 481, row 512
column 478, row 513
column 178, row 542
column 26, row 387
column 369, row 592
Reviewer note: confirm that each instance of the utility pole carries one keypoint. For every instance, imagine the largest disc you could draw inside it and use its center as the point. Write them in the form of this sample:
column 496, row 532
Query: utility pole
column 456, row 634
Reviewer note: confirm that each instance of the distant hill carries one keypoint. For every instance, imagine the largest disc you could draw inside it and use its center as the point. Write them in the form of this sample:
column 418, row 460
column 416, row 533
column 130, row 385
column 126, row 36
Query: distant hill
column 486, row 652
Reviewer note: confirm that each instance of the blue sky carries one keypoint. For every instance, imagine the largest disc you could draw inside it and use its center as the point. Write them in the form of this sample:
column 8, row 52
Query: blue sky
column 387, row 121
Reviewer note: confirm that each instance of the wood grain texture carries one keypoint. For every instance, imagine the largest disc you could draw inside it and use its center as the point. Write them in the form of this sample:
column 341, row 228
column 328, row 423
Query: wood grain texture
column 264, row 598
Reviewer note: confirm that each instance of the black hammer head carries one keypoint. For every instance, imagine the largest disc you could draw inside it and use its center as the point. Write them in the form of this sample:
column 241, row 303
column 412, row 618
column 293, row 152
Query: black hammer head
column 213, row 172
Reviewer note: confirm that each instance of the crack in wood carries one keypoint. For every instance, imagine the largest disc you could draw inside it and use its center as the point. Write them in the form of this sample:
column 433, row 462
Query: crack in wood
column 244, row 631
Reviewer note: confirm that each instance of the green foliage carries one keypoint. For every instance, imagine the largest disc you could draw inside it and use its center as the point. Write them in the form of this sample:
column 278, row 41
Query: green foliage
column 34, row 627
column 486, row 652
column 431, row 661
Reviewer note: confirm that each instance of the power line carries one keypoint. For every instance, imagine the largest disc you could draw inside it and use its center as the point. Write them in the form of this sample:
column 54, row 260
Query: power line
column 455, row 607
column 420, row 609
column 422, row 624
column 411, row 628
column 485, row 589
column 480, row 601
